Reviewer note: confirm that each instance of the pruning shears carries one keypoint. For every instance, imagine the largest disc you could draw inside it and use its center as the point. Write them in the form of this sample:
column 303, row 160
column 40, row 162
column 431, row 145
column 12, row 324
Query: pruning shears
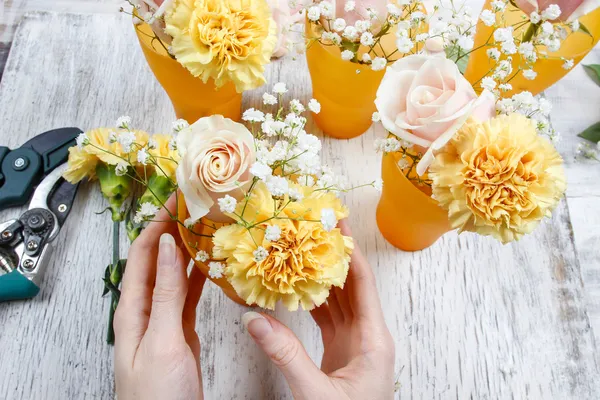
column 33, row 171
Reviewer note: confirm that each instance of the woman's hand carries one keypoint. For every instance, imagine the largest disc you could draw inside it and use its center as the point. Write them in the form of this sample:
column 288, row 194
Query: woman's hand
column 358, row 362
column 157, row 350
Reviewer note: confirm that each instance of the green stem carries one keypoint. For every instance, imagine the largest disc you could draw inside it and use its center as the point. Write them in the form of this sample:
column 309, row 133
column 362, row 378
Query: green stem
column 114, row 300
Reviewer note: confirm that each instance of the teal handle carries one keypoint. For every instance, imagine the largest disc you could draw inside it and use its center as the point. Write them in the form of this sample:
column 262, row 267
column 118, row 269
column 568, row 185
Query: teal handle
column 15, row 286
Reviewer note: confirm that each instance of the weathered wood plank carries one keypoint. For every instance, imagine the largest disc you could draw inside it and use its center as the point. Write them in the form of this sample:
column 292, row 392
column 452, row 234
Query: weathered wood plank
column 471, row 318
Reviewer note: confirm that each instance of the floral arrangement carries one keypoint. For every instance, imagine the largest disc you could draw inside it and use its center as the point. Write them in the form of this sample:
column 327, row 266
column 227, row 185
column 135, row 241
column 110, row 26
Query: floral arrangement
column 486, row 158
column 359, row 29
column 223, row 40
column 276, row 204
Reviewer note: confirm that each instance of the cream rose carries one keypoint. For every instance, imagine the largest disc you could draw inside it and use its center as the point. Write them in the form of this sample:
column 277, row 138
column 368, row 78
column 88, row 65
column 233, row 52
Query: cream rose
column 216, row 154
column 424, row 99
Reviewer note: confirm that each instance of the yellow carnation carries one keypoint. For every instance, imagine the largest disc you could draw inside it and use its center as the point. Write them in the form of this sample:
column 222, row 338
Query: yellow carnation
column 226, row 40
column 498, row 178
column 166, row 158
column 301, row 267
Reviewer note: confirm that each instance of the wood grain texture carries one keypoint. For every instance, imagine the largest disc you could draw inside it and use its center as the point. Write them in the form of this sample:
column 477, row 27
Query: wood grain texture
column 471, row 318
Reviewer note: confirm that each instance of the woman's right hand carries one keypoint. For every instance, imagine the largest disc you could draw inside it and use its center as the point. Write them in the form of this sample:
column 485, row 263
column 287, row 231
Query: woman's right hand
column 358, row 362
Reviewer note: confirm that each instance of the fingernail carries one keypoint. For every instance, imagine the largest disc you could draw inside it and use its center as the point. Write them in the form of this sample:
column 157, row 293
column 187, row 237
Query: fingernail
column 166, row 250
column 257, row 325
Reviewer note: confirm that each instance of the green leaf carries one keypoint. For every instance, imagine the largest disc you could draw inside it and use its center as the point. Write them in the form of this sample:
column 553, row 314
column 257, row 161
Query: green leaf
column 584, row 29
column 593, row 70
column 592, row 133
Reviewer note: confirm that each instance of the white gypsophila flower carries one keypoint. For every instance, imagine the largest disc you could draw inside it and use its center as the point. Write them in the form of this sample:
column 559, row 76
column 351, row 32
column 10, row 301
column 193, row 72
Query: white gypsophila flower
column 508, row 47
column 328, row 219
column 547, row 29
column 82, row 140
column 202, row 256
column 376, row 117
column 273, row 233
column 306, row 180
column 465, row 42
column 179, row 124
column 503, row 34
column 143, row 156
column 498, row 5
column 121, row 169
column 393, row 10
column 421, row 37
column 347, row 55
column 339, row 24
column 527, row 50
column 314, row 13
column 294, row 121
column 403, row 163
column 152, row 144
column 279, row 88
column 314, row 106
column 173, row 144
column 586, row 150
column 505, row 87
column 551, row 13
column 575, row 25
column 568, row 64
column 404, row 44
column 260, row 254
column 493, row 54
column 189, row 223
column 253, row 115
column 277, row 185
column 535, row 17
column 503, row 69
column 378, row 185
column 296, row 106
column 215, row 270
column 112, row 137
column 529, row 74
column 366, row 58
column 261, row 170
column 391, row 145
column 545, row 106
column 295, row 194
column 227, row 204
column 487, row 17
column 378, row 63
column 366, row 39
column 124, row 122
column 148, row 210
column 126, row 139
column 488, row 83
column 269, row 99
column 553, row 45
column 416, row 17
column 562, row 32
column 362, row 25
column 372, row 13
column 350, row 33
column 326, row 9
column 349, row 6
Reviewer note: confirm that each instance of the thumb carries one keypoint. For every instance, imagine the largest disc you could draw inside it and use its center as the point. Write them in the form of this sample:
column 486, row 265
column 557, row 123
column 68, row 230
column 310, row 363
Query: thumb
column 170, row 289
column 285, row 351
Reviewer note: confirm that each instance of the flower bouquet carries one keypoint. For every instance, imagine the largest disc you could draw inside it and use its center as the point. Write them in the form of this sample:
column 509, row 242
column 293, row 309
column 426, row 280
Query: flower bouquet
column 455, row 159
column 206, row 53
column 348, row 46
column 257, row 210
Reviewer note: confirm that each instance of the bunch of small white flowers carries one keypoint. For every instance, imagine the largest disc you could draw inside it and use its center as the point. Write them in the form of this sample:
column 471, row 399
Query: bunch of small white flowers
column 587, row 150
column 455, row 26
column 145, row 213
column 535, row 108
column 361, row 42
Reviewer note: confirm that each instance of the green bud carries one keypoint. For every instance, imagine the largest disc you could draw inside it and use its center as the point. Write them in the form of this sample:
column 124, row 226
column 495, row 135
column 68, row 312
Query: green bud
column 158, row 190
column 116, row 189
column 133, row 231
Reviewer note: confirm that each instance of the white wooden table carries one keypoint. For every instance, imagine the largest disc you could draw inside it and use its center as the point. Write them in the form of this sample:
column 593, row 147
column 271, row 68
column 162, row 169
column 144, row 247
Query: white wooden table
column 471, row 318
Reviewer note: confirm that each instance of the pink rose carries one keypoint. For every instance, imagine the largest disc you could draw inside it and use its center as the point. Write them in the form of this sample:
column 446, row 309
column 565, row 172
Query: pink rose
column 570, row 9
column 216, row 154
column 424, row 99
column 284, row 18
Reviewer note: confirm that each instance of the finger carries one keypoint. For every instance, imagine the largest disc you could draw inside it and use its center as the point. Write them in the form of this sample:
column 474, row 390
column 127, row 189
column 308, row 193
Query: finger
column 322, row 317
column 360, row 286
column 133, row 312
column 342, row 297
column 335, row 310
column 170, row 289
column 285, row 351
column 196, row 283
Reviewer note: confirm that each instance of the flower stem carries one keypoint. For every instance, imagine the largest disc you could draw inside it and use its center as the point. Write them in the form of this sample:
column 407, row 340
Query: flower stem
column 114, row 299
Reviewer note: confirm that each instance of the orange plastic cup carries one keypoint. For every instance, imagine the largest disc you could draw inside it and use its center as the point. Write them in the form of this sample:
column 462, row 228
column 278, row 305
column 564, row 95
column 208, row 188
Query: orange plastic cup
column 203, row 243
column 192, row 99
column 407, row 218
column 549, row 70
column 347, row 97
